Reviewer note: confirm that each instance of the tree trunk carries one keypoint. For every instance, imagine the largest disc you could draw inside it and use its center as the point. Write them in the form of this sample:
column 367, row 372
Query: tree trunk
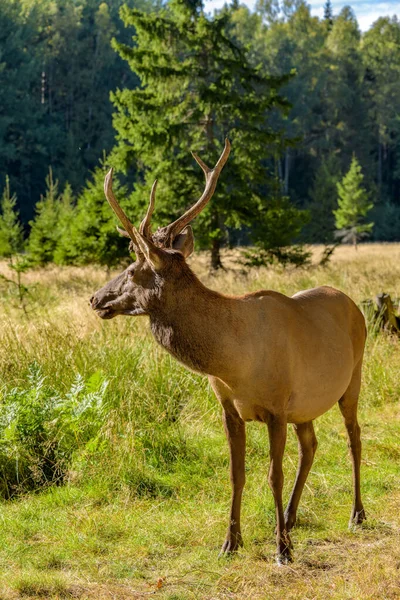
column 216, row 262
column 280, row 174
column 216, row 255
column 379, row 165
column 386, row 313
column 287, row 168
column 384, row 317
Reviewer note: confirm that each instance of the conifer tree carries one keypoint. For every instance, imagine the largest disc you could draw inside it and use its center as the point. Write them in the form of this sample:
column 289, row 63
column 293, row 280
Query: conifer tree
column 11, row 233
column 64, row 251
column 11, row 244
column 323, row 200
column 43, row 237
column 90, row 236
column 328, row 14
column 197, row 87
column 273, row 231
column 353, row 206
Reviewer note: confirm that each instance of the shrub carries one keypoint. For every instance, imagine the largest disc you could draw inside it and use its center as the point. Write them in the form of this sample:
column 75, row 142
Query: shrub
column 41, row 430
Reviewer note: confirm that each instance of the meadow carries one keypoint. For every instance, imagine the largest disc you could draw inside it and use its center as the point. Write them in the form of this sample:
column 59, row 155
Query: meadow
column 114, row 464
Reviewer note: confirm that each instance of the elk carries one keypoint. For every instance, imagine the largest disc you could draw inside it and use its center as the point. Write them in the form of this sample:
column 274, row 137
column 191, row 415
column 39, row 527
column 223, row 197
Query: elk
column 268, row 357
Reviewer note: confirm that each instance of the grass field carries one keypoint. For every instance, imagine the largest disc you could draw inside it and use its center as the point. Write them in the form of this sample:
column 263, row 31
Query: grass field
column 137, row 443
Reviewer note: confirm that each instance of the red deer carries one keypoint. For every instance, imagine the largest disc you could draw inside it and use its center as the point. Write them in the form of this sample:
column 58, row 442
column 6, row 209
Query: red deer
column 268, row 357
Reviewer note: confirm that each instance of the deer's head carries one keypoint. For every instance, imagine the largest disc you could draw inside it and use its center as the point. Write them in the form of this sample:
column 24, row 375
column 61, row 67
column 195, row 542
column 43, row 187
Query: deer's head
column 160, row 269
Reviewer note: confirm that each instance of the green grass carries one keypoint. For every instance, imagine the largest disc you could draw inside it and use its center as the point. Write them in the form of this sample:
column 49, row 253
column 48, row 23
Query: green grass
column 144, row 505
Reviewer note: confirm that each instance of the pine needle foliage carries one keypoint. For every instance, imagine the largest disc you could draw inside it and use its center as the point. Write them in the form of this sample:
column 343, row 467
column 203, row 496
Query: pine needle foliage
column 353, row 206
column 273, row 232
column 64, row 250
column 43, row 237
column 323, row 200
column 11, row 232
column 328, row 14
column 197, row 87
column 88, row 232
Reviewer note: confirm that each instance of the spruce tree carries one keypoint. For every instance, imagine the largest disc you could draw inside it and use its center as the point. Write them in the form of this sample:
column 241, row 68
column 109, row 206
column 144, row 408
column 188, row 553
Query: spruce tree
column 323, row 200
column 90, row 235
column 11, row 244
column 197, row 87
column 64, row 252
column 353, row 206
column 328, row 14
column 273, row 232
column 43, row 237
column 11, row 232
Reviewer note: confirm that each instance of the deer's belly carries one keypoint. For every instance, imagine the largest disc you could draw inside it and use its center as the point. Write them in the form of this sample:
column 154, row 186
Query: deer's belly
column 321, row 377
column 250, row 411
column 309, row 402
column 304, row 397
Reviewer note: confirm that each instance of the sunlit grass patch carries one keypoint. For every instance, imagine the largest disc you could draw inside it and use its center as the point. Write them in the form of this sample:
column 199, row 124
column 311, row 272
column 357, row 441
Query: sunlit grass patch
column 42, row 585
column 143, row 506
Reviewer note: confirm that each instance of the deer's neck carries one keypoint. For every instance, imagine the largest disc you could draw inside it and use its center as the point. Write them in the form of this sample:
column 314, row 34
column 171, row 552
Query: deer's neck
column 194, row 328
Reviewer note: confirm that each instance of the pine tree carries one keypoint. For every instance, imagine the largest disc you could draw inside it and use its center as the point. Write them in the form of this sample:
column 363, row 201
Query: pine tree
column 64, row 252
column 273, row 232
column 90, row 236
column 323, row 200
column 11, row 232
column 328, row 14
column 354, row 205
column 43, row 237
column 197, row 87
column 11, row 244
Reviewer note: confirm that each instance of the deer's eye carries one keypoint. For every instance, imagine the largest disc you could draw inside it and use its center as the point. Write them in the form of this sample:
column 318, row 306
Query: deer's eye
column 131, row 274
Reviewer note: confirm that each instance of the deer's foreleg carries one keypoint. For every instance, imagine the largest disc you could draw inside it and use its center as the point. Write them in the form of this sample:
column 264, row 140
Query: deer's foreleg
column 307, row 447
column 236, row 435
column 277, row 427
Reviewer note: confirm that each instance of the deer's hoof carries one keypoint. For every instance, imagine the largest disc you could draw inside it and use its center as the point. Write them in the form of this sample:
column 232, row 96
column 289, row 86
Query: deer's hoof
column 284, row 559
column 357, row 517
column 231, row 545
column 284, row 547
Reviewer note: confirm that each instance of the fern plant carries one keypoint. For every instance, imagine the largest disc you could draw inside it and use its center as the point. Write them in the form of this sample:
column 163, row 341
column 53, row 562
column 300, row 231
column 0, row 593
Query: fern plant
column 41, row 431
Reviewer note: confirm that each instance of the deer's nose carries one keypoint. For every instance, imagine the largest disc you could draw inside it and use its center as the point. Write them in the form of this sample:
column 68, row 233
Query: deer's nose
column 92, row 301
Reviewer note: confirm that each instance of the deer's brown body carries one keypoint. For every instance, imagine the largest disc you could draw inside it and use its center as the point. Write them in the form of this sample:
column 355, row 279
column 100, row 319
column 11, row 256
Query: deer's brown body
column 268, row 357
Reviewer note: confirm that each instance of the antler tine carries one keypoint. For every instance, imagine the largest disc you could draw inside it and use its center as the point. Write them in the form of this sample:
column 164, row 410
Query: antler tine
column 211, row 182
column 206, row 170
column 145, row 226
column 116, row 207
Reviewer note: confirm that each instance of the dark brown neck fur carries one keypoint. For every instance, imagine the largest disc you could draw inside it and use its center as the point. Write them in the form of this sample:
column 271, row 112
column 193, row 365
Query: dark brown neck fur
column 190, row 322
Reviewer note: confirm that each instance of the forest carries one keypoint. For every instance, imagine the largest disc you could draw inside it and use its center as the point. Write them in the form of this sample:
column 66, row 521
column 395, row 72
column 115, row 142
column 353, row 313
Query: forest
column 137, row 85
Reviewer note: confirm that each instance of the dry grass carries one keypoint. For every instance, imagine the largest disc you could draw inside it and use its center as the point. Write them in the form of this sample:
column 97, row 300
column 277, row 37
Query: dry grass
column 95, row 539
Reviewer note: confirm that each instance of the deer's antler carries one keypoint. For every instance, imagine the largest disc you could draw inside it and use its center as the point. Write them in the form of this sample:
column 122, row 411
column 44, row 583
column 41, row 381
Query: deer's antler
column 145, row 226
column 166, row 235
column 171, row 231
column 116, row 207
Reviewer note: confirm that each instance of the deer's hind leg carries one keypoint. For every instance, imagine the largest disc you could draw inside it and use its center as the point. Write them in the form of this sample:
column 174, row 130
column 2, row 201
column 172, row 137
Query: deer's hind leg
column 307, row 448
column 348, row 407
column 277, row 428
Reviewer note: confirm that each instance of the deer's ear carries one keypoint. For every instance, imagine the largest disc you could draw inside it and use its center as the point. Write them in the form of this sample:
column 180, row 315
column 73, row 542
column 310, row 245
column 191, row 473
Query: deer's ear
column 184, row 242
column 153, row 255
